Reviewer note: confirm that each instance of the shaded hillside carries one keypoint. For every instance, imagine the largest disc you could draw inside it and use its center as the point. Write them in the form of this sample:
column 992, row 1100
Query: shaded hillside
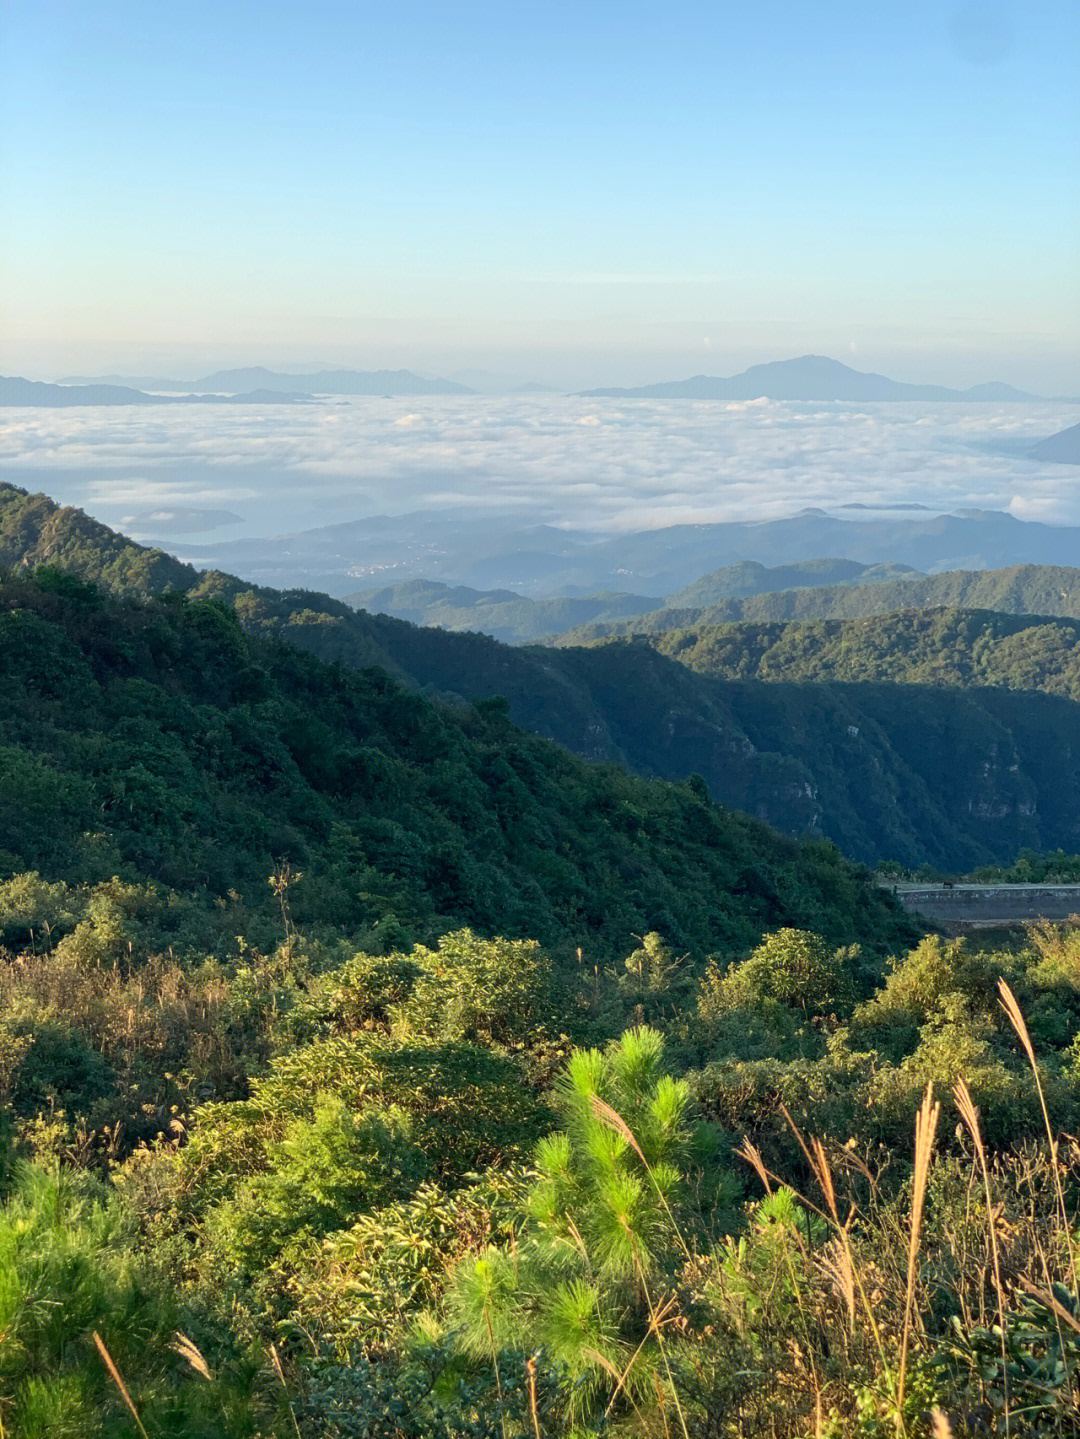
column 1018, row 589
column 932, row 775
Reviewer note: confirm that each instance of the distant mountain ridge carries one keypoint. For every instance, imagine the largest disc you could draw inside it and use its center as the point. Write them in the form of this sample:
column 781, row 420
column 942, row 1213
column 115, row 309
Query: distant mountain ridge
column 752, row 578
column 15, row 391
column 322, row 382
column 510, row 618
column 748, row 592
column 518, row 619
column 805, row 378
column 1045, row 590
column 488, row 553
column 811, row 378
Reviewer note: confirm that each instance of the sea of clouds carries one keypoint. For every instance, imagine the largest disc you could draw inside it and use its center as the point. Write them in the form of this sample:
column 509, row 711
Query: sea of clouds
column 160, row 473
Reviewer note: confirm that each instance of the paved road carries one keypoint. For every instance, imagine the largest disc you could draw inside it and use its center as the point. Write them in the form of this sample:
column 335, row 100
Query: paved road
column 989, row 904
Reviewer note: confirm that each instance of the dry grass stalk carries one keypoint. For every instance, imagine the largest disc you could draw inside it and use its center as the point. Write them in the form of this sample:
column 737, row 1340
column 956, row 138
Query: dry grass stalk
column 824, row 1176
column 660, row 1401
column 187, row 1349
column 275, row 1360
column 838, row 1266
column 613, row 1120
column 530, row 1371
column 926, row 1122
column 970, row 1115
column 657, row 1317
column 1051, row 1303
column 1011, row 1007
column 595, row 1357
column 819, row 1163
column 942, row 1427
column 114, row 1374
column 752, row 1154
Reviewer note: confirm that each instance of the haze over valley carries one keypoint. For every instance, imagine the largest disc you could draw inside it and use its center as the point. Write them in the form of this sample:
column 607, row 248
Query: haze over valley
column 214, row 479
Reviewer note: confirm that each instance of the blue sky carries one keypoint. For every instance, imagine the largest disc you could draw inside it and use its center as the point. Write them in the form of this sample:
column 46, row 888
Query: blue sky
column 585, row 193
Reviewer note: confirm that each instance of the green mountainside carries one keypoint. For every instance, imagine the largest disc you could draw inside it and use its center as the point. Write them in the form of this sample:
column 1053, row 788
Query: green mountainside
column 157, row 740
column 956, row 648
column 920, row 774
column 750, row 578
column 1017, row 590
column 814, row 589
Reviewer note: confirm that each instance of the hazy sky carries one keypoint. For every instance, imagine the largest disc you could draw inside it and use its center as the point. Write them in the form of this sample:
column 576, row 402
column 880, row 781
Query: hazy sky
column 579, row 192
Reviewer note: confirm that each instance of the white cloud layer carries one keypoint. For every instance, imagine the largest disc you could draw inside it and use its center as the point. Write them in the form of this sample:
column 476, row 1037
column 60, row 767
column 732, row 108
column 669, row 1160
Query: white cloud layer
column 607, row 464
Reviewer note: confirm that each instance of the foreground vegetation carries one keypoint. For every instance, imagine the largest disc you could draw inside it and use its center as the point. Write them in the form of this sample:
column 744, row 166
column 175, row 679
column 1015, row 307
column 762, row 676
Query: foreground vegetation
column 430, row 1191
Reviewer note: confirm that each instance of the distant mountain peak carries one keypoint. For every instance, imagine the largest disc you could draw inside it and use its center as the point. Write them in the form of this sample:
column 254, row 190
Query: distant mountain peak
column 814, row 378
column 1060, row 449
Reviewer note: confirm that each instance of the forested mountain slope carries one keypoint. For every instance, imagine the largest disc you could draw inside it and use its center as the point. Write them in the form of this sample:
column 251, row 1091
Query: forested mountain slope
column 921, row 775
column 155, row 740
column 308, row 1158
column 1016, row 590
column 750, row 578
column 959, row 648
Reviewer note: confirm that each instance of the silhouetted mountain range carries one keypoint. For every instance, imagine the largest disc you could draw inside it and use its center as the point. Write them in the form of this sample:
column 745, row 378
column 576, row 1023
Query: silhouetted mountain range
column 323, row 382
column 810, row 377
column 16, row 391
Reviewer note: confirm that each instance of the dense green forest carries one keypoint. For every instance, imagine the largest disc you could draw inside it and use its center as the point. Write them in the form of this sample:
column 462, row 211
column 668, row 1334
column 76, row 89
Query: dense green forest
column 958, row 648
column 157, row 740
column 373, row 1070
column 918, row 775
